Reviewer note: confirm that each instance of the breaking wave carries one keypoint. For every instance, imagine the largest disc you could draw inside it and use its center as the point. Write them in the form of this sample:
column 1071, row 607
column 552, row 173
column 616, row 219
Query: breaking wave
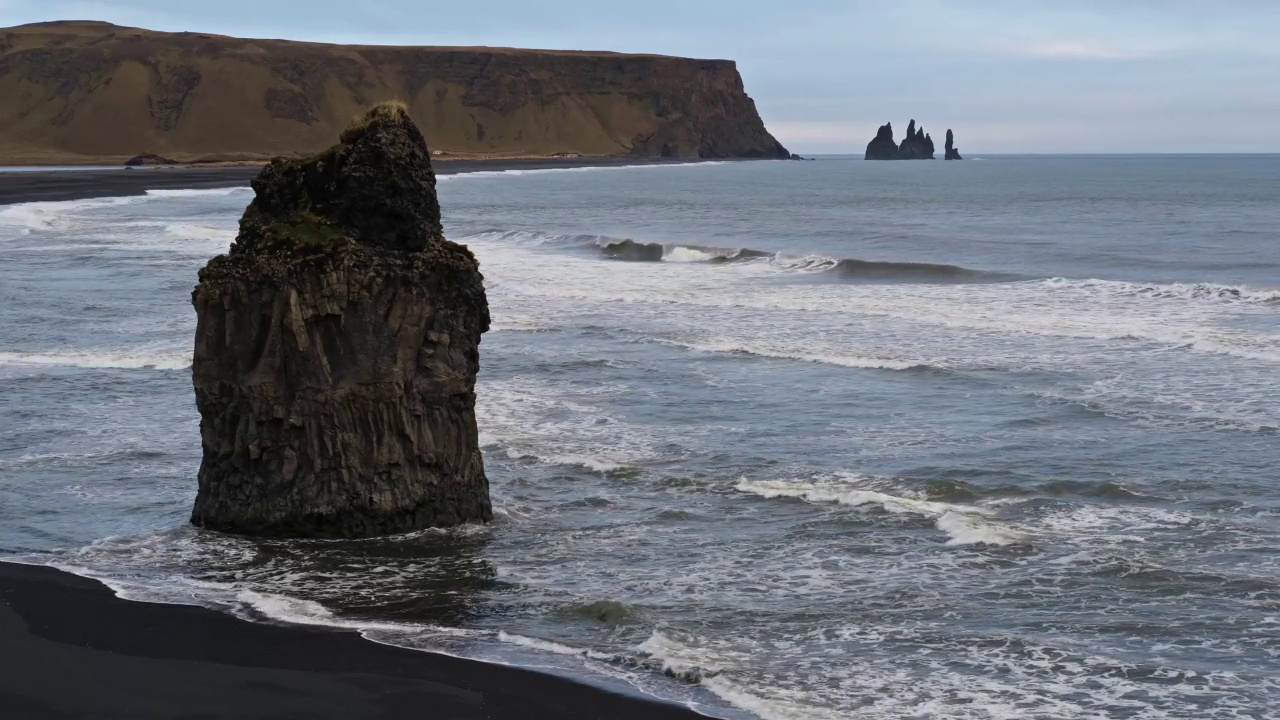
column 122, row 360
column 846, row 268
column 1199, row 292
column 859, row 270
column 517, row 172
column 963, row 524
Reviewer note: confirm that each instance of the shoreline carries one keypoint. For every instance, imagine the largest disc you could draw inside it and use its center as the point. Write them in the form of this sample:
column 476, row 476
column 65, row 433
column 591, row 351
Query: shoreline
column 61, row 185
column 69, row 648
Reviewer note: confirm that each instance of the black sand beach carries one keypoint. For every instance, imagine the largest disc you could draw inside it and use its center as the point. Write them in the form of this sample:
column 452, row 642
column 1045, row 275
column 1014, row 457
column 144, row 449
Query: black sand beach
column 57, row 185
column 70, row 649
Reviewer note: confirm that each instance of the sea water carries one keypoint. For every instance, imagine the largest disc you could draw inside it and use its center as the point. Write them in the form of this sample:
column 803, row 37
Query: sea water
column 831, row 439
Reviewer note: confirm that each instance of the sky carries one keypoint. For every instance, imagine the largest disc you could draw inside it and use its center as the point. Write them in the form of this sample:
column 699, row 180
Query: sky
column 1009, row 76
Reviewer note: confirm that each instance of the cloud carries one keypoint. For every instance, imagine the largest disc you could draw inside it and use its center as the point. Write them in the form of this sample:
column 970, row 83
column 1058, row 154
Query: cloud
column 1080, row 50
column 815, row 133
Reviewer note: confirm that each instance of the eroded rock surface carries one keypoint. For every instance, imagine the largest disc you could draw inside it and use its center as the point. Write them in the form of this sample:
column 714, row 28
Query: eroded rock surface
column 883, row 146
column 917, row 145
column 953, row 152
column 336, row 350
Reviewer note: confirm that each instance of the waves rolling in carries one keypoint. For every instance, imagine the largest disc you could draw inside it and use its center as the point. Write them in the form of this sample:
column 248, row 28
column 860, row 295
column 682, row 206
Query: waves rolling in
column 761, row 447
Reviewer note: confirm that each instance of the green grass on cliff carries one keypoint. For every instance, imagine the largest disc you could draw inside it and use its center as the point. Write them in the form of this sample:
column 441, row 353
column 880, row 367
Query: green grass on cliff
column 308, row 234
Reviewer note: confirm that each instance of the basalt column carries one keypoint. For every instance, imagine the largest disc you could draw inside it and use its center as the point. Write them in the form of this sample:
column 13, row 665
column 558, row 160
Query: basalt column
column 336, row 350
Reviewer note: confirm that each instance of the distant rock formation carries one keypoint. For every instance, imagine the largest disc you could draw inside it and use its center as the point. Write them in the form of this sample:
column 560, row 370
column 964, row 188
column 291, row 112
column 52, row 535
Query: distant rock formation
column 953, row 152
column 336, row 350
column 917, row 145
column 883, row 146
column 148, row 159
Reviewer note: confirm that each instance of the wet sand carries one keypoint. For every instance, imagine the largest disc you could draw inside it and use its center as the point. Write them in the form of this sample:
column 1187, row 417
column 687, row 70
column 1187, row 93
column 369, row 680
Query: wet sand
column 70, row 649
column 56, row 185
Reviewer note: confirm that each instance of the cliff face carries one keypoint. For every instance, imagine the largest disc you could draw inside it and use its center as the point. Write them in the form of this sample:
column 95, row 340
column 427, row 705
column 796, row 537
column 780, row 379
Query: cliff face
column 336, row 350
column 97, row 90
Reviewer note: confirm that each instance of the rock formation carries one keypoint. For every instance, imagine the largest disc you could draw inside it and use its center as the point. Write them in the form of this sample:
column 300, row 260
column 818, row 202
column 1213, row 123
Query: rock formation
column 336, row 350
column 917, row 145
column 883, row 146
column 148, row 159
column 953, row 152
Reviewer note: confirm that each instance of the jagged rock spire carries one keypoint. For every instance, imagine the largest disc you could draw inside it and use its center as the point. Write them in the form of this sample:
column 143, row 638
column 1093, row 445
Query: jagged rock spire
column 953, row 153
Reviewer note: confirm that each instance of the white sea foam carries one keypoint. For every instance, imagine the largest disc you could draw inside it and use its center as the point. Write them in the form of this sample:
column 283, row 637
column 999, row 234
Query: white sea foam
column 195, row 231
column 158, row 359
column 765, row 350
column 519, row 172
column 531, row 418
column 1168, row 362
column 1091, row 524
column 679, row 658
column 1196, row 292
column 965, row 528
column 680, row 253
column 900, row 673
column 53, row 216
column 551, row 646
column 963, row 524
column 297, row 611
column 198, row 193
column 1013, row 312
column 707, row 668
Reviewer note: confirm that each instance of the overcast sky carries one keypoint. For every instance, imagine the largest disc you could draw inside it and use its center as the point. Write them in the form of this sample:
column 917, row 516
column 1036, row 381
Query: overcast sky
column 1007, row 75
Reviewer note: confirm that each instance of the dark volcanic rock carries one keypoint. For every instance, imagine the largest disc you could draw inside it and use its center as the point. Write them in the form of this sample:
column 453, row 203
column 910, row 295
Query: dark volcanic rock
column 916, row 145
column 336, row 350
column 148, row 159
column 883, row 147
column 953, row 152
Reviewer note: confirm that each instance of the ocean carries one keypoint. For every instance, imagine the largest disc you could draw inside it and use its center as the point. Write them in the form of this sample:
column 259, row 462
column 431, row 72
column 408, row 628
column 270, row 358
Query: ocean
column 778, row 440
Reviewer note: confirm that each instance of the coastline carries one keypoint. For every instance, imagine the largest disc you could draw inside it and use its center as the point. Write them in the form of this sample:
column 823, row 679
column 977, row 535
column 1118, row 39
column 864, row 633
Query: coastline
column 69, row 648
column 29, row 185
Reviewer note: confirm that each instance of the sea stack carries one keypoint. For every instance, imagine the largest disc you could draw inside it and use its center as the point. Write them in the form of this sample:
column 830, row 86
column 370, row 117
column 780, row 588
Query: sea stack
column 953, row 152
column 336, row 350
column 917, row 145
column 883, row 146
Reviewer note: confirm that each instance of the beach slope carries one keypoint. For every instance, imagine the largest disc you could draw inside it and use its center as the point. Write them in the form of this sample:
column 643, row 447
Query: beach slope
column 70, row 649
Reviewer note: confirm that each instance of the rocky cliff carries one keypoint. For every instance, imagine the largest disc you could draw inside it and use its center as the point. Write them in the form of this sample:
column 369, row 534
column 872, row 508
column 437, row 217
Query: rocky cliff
column 336, row 350
column 86, row 91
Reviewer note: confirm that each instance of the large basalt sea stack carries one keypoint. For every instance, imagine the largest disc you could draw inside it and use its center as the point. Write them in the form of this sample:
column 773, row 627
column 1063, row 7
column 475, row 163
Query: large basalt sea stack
column 336, row 350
